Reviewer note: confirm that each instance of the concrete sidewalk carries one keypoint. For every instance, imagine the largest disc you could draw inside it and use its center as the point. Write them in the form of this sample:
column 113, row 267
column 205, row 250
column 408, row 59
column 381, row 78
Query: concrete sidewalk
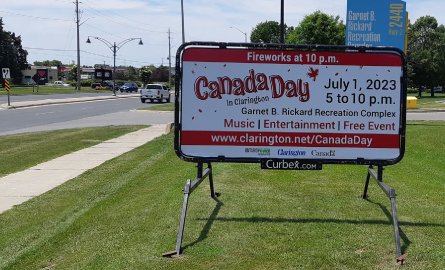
column 19, row 187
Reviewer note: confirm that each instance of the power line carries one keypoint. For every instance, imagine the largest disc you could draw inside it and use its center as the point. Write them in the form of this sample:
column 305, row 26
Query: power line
column 122, row 21
column 35, row 17
column 44, row 49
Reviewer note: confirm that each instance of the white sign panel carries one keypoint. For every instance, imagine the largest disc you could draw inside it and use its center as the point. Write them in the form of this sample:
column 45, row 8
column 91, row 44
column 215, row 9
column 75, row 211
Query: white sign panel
column 287, row 104
column 5, row 73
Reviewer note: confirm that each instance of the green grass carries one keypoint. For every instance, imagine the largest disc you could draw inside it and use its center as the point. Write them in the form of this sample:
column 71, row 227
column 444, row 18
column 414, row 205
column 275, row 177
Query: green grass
column 427, row 102
column 21, row 151
column 169, row 107
column 46, row 90
column 125, row 213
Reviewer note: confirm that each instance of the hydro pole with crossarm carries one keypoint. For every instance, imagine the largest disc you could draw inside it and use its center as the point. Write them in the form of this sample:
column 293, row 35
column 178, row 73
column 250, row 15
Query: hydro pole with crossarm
column 114, row 48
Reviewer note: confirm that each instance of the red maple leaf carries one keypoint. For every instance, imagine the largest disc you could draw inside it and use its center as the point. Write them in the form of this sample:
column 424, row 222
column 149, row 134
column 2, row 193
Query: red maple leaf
column 313, row 73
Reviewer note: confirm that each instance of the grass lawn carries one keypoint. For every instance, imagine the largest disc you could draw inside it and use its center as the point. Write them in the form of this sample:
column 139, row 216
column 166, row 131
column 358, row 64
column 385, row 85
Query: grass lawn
column 46, row 90
column 21, row 151
column 125, row 213
column 161, row 107
column 427, row 102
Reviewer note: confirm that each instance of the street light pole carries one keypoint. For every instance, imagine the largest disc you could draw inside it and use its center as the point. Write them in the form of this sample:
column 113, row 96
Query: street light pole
column 78, row 85
column 282, row 22
column 182, row 18
column 245, row 34
column 114, row 48
column 114, row 68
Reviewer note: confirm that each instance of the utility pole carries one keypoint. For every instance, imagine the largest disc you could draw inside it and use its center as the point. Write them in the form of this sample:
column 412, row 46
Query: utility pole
column 169, row 59
column 78, row 46
column 182, row 16
column 282, row 22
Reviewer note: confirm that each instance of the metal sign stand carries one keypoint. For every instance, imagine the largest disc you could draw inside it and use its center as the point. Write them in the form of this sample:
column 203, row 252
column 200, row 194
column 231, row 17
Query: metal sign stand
column 391, row 194
column 190, row 186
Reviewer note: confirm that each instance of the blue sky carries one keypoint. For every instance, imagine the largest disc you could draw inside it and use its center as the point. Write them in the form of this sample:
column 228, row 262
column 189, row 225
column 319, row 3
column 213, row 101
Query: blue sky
column 48, row 27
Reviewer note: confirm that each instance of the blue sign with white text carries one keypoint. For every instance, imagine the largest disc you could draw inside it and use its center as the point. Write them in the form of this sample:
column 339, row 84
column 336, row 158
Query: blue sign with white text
column 376, row 23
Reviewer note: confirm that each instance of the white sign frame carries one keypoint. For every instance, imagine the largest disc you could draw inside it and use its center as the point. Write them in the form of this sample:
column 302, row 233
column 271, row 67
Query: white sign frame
column 323, row 126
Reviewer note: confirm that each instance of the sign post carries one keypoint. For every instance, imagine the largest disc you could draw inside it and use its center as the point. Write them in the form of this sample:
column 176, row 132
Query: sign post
column 6, row 76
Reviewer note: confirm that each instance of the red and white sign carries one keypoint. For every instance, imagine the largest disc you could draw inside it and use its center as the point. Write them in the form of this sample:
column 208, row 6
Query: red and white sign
column 255, row 104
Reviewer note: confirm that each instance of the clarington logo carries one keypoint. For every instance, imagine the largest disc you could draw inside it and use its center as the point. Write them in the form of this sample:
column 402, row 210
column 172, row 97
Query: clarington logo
column 291, row 153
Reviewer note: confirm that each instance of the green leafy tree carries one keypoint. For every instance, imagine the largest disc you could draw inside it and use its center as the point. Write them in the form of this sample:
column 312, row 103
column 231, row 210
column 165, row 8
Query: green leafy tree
column 48, row 63
column 319, row 28
column 12, row 55
column 145, row 73
column 132, row 74
column 160, row 74
column 426, row 53
column 72, row 74
column 268, row 32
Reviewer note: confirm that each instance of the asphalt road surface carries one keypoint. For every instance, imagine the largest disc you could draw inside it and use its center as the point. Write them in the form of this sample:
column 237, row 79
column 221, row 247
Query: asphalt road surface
column 99, row 113
column 85, row 114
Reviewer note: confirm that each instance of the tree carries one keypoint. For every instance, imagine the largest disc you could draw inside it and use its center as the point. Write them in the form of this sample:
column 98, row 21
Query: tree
column 160, row 74
column 319, row 28
column 72, row 74
column 145, row 74
column 268, row 32
column 132, row 74
column 48, row 63
column 426, row 53
column 12, row 55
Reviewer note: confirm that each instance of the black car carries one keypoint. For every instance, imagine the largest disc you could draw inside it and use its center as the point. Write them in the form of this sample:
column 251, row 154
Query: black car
column 102, row 84
column 118, row 85
column 129, row 87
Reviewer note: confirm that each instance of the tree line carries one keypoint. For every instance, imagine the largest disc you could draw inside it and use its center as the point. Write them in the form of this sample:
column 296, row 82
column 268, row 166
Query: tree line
column 12, row 55
column 425, row 54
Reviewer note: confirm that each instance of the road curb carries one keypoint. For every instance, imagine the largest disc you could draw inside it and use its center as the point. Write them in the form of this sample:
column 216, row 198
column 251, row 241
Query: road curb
column 425, row 111
column 44, row 102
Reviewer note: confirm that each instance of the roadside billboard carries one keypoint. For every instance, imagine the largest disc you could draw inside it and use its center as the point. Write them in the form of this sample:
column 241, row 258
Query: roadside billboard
column 376, row 23
column 328, row 104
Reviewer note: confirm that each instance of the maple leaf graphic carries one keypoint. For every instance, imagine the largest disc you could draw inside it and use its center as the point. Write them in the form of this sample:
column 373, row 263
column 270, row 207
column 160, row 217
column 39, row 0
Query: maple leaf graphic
column 313, row 73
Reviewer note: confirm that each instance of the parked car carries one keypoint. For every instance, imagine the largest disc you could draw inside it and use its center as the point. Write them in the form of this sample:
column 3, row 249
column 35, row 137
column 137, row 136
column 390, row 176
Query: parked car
column 157, row 92
column 129, row 87
column 104, row 84
column 118, row 85
column 58, row 83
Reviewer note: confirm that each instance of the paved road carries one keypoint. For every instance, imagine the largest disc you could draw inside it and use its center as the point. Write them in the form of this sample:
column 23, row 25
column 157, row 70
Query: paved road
column 85, row 114
column 100, row 113
column 436, row 116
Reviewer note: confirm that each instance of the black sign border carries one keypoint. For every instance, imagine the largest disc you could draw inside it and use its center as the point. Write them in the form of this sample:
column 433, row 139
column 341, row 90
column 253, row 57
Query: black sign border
column 278, row 46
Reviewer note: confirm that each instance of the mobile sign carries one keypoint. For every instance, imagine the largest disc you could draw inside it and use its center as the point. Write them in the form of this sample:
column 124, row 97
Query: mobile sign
column 319, row 104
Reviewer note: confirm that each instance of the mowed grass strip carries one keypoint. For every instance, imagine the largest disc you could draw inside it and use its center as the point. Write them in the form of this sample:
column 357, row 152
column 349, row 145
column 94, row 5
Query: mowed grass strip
column 125, row 213
column 22, row 151
column 168, row 107
column 46, row 90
